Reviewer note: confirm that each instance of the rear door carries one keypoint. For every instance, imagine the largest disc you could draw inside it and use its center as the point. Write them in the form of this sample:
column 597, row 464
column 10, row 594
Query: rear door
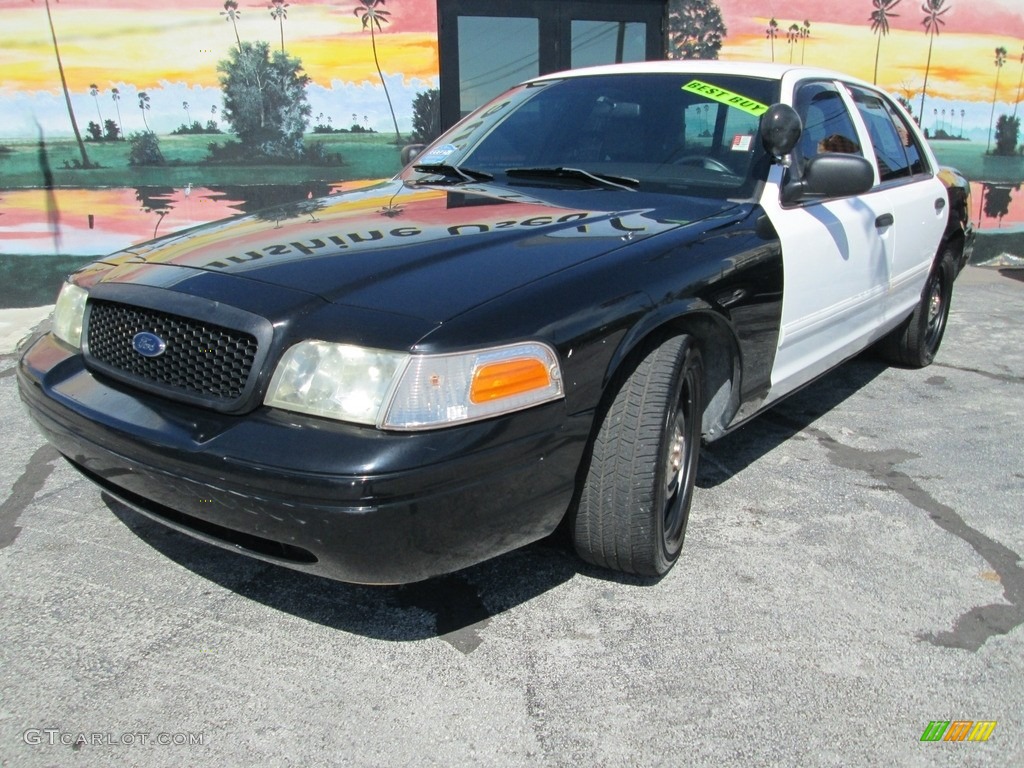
column 918, row 199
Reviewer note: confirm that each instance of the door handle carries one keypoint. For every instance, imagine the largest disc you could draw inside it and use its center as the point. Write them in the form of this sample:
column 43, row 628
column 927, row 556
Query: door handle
column 885, row 220
column 939, row 204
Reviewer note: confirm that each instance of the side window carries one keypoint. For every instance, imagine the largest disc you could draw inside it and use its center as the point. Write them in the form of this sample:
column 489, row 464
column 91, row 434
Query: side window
column 700, row 121
column 895, row 151
column 915, row 157
column 739, row 123
column 828, row 126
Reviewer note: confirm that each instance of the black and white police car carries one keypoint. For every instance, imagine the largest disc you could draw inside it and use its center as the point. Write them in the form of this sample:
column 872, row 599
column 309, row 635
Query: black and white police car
column 534, row 324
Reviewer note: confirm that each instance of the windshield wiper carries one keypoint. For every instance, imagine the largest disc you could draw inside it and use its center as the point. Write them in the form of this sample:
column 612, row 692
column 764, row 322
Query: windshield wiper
column 453, row 172
column 576, row 174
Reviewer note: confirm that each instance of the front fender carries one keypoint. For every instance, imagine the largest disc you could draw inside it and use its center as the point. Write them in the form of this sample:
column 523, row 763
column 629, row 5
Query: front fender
column 716, row 338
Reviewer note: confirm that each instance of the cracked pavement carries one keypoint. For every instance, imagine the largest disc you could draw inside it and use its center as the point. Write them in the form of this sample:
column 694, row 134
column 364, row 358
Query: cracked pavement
column 852, row 571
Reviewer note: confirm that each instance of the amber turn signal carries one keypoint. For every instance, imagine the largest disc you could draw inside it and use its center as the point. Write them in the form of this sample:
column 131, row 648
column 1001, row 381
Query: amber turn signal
column 508, row 378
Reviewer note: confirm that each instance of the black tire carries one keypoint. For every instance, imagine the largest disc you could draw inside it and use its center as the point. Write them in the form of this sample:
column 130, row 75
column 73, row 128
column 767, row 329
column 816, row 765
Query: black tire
column 916, row 340
column 635, row 500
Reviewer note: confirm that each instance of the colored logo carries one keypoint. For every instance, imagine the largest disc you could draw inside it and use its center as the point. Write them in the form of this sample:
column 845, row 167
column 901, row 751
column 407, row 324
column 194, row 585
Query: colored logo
column 958, row 730
column 148, row 344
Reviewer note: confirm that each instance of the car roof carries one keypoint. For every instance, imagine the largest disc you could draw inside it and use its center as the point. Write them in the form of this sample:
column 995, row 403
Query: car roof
column 774, row 71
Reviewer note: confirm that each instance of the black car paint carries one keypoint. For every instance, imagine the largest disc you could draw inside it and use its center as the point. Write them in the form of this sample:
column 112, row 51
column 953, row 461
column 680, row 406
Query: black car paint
column 960, row 232
column 359, row 504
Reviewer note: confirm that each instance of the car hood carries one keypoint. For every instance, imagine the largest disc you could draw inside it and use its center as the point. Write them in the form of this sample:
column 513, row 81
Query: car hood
column 426, row 251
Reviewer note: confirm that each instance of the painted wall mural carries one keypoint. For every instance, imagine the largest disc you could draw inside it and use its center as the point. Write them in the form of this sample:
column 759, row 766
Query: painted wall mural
column 121, row 119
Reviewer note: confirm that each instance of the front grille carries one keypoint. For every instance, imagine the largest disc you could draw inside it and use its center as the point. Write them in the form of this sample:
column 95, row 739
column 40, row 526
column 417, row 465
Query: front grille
column 201, row 358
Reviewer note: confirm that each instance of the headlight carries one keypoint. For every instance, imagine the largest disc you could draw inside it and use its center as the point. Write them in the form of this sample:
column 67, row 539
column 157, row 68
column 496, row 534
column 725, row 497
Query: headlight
column 339, row 381
column 405, row 392
column 69, row 314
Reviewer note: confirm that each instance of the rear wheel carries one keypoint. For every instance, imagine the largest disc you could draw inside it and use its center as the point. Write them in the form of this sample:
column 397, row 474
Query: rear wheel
column 915, row 342
column 635, row 500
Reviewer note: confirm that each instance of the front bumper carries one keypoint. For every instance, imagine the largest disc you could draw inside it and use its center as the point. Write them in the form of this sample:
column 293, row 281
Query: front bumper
column 347, row 502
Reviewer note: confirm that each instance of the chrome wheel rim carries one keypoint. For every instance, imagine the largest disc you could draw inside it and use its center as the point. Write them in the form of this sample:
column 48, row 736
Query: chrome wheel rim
column 676, row 459
column 678, row 465
column 936, row 315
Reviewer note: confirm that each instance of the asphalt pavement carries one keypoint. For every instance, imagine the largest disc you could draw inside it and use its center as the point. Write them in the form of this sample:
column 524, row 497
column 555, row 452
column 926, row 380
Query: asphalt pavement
column 851, row 574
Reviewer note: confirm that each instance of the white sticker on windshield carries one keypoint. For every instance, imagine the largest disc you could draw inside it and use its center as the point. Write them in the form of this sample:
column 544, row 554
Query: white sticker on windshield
column 741, row 142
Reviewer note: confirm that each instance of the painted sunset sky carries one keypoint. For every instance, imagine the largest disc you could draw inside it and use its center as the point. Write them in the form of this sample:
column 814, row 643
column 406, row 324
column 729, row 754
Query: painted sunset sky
column 962, row 73
column 171, row 52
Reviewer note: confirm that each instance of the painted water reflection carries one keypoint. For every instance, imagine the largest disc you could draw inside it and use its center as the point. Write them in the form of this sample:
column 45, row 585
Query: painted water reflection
column 998, row 205
column 46, row 234
column 94, row 222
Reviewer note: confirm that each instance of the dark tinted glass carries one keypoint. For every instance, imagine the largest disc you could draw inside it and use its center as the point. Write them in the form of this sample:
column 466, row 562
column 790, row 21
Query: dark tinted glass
column 827, row 124
column 895, row 147
column 692, row 134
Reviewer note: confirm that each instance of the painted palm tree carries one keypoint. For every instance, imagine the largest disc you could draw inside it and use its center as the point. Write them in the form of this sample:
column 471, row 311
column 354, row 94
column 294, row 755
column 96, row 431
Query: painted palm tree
column 116, row 96
column 1001, row 54
column 792, row 38
column 771, row 32
column 932, row 23
column 94, row 91
column 372, row 15
column 67, row 93
column 279, row 12
column 880, row 25
column 188, row 116
column 805, row 32
column 144, row 106
column 1020, row 83
column 232, row 14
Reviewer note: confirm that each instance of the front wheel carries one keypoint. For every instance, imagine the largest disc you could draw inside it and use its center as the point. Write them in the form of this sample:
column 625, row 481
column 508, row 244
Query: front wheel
column 916, row 340
column 635, row 501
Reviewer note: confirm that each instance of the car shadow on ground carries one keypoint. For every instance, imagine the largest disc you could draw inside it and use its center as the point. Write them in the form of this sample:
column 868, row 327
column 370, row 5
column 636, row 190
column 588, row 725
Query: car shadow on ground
column 457, row 608
column 736, row 451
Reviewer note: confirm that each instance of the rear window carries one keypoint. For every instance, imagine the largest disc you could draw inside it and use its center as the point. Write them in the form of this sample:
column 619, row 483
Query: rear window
column 895, row 147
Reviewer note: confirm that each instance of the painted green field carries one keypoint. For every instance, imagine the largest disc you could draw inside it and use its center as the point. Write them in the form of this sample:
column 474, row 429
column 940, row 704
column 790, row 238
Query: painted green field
column 362, row 156
column 970, row 159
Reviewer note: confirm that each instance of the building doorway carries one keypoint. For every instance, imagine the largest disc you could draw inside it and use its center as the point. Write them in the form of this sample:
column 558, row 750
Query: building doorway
column 488, row 46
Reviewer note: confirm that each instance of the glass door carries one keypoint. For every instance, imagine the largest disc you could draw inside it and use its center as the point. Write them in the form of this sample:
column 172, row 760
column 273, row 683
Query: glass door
column 486, row 47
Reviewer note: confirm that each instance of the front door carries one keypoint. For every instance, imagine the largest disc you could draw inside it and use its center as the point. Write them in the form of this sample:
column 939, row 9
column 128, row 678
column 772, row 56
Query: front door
column 836, row 254
column 487, row 46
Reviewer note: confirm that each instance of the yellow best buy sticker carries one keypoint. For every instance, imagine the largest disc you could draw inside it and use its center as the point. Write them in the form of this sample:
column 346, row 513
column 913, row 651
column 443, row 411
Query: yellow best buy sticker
column 726, row 97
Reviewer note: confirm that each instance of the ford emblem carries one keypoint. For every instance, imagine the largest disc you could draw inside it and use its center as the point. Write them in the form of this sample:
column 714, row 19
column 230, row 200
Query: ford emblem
column 148, row 344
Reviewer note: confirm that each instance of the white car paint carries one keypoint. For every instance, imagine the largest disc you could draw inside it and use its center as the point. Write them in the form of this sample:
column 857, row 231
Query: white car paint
column 853, row 267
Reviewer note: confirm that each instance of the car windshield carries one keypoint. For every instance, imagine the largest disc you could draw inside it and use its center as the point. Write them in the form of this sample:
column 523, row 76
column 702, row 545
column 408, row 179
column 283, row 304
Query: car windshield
column 693, row 134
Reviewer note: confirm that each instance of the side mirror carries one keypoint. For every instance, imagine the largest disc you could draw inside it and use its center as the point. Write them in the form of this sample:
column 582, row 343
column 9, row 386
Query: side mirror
column 780, row 129
column 830, row 174
column 410, row 151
